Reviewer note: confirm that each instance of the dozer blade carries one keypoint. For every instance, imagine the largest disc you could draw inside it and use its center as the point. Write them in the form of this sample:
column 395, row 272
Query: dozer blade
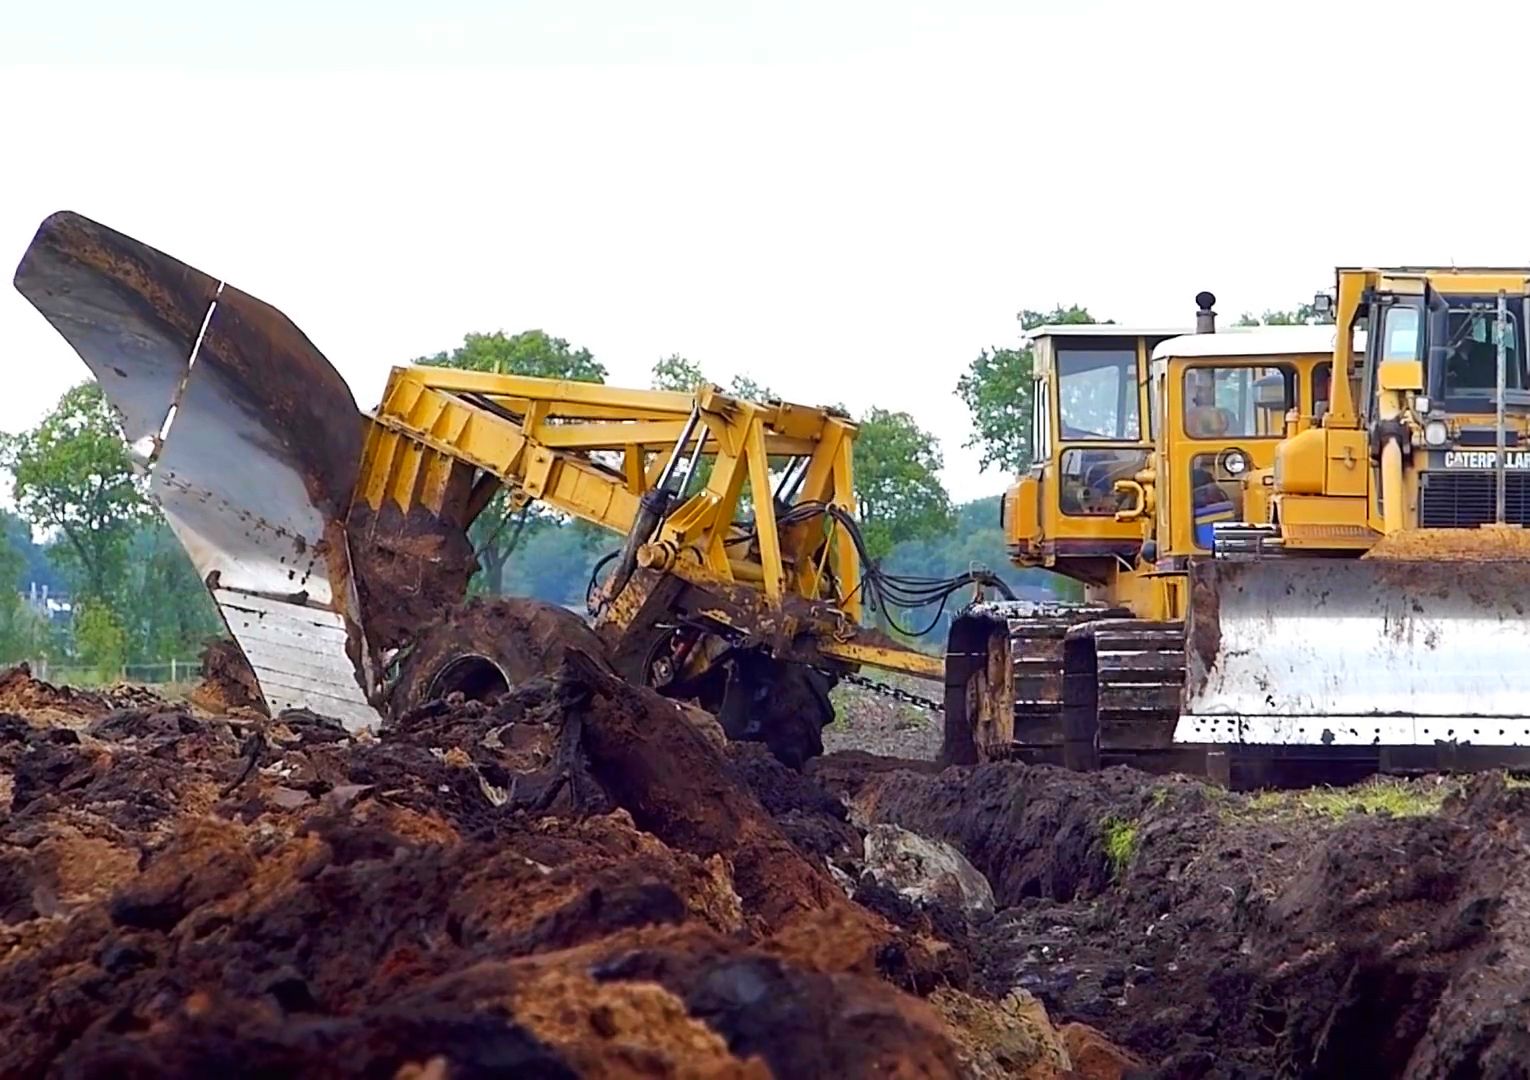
column 1358, row 652
column 251, row 441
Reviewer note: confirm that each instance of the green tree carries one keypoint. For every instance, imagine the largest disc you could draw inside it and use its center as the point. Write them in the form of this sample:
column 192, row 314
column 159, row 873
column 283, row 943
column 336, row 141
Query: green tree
column 500, row 529
column 172, row 615
column 898, row 491
column 996, row 389
column 72, row 477
column 554, row 563
column 675, row 372
column 744, row 387
column 99, row 639
column 23, row 634
column 1301, row 315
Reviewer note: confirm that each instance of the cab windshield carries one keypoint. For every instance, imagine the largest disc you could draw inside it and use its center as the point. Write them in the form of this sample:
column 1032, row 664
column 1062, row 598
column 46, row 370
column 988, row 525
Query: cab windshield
column 1097, row 394
column 1463, row 350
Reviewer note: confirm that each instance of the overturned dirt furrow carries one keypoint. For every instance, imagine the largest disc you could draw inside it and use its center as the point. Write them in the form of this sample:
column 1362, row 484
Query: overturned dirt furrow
column 1218, row 935
column 572, row 881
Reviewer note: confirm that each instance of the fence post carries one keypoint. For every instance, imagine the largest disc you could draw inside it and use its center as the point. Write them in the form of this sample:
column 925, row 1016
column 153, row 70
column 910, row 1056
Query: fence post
column 172, row 670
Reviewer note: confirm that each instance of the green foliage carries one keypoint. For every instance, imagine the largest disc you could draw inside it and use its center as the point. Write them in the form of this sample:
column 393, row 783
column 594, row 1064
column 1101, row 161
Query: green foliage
column 1302, row 315
column 171, row 614
column 744, row 387
column 531, row 352
column 675, row 372
column 23, row 635
column 997, row 391
column 898, row 491
column 36, row 565
column 1120, row 838
column 500, row 529
column 1072, row 315
column 554, row 564
column 99, row 639
column 72, row 477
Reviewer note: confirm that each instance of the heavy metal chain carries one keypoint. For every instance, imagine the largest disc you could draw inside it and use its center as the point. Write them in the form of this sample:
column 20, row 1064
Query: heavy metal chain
column 894, row 692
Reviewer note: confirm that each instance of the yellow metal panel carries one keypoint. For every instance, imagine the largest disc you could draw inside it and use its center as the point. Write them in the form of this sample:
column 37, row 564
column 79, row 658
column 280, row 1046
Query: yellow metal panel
column 725, row 484
column 847, row 563
column 433, row 488
column 1400, row 375
column 632, row 469
column 573, row 410
column 888, row 658
column 1324, row 522
column 559, row 390
column 1477, row 284
column 539, row 463
column 764, row 511
column 1348, row 463
column 1301, row 463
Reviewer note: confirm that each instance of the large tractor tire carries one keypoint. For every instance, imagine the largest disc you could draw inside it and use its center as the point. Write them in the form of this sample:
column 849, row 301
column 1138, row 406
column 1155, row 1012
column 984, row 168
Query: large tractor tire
column 485, row 648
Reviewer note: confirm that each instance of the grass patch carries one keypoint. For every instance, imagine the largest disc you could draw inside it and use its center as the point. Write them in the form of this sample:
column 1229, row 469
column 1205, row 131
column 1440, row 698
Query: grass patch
column 1396, row 798
column 1516, row 783
column 1120, row 836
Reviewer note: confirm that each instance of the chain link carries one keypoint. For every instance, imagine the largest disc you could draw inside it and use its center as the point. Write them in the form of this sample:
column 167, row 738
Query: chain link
column 894, row 692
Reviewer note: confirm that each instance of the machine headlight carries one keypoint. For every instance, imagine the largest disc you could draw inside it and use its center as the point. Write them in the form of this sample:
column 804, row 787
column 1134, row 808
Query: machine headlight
column 1436, row 433
column 1235, row 462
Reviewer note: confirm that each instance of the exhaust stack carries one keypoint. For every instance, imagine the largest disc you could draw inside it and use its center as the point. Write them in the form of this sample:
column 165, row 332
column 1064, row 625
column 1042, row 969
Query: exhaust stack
column 1205, row 317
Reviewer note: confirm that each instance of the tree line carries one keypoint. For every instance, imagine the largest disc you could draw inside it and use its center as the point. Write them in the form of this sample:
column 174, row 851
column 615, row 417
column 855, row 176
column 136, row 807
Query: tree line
column 82, row 525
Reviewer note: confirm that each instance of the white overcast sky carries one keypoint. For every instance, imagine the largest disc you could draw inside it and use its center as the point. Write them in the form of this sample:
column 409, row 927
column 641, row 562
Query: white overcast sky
column 844, row 200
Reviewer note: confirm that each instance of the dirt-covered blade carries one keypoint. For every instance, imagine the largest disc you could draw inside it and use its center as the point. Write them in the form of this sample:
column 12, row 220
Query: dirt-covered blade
column 1357, row 652
column 251, row 440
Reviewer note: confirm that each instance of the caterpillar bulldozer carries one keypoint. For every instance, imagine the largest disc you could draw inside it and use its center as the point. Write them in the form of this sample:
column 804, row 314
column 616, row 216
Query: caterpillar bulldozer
column 335, row 542
column 1289, row 576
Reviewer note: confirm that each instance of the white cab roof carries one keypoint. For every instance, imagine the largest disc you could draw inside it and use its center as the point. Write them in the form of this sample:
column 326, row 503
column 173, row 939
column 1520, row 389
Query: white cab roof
column 1098, row 330
column 1252, row 341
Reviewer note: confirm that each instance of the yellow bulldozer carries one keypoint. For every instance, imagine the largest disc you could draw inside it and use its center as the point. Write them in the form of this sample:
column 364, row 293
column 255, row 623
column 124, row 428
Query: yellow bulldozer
column 1290, row 576
column 1276, row 528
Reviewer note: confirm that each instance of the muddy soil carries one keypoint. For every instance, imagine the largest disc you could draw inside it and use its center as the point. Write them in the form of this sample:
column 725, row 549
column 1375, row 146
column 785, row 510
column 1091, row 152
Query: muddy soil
column 1217, row 935
column 571, row 881
column 227, row 680
column 408, row 569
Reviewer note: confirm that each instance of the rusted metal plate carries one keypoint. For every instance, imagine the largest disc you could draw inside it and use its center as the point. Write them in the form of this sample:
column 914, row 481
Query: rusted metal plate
column 1357, row 652
column 131, row 312
column 261, row 445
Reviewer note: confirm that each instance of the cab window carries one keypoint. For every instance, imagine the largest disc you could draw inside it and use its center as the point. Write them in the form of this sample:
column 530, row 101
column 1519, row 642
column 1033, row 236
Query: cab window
column 1097, row 394
column 1322, row 388
column 1401, row 342
column 1087, row 486
column 1238, row 402
column 1471, row 354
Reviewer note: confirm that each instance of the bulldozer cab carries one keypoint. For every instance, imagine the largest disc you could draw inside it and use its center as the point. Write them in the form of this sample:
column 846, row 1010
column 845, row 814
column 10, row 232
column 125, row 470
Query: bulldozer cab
column 1228, row 401
column 1434, row 369
column 1092, row 438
